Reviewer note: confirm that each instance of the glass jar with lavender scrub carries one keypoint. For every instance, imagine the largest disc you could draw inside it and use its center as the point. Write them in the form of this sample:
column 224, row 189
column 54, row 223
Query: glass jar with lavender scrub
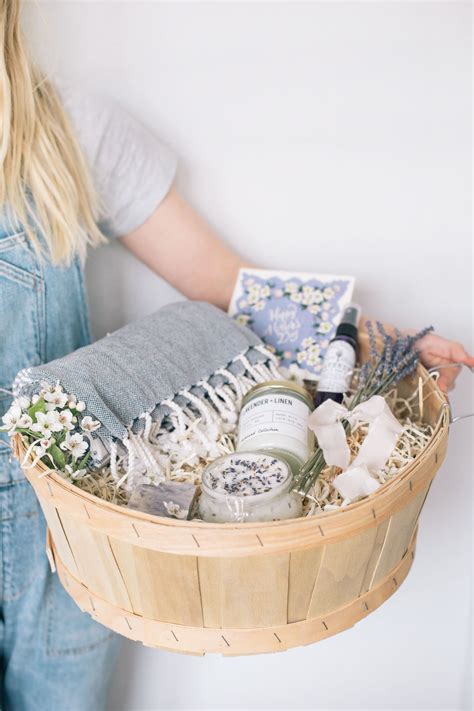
column 248, row 486
column 274, row 419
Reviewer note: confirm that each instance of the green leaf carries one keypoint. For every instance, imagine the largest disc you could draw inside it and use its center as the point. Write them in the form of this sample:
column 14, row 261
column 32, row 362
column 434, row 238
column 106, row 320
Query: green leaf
column 58, row 456
column 84, row 460
column 40, row 406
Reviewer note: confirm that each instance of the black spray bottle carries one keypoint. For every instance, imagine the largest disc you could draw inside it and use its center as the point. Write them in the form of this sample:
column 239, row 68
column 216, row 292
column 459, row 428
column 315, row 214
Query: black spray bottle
column 340, row 358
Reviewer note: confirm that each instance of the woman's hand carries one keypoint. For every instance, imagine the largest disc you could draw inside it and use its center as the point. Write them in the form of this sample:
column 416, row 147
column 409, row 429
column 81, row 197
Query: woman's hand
column 436, row 350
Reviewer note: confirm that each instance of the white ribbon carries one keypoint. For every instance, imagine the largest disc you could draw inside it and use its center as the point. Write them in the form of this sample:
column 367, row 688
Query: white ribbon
column 358, row 478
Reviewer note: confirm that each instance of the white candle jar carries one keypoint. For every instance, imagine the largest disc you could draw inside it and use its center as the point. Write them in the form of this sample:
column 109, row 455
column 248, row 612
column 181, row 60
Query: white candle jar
column 247, row 487
column 274, row 418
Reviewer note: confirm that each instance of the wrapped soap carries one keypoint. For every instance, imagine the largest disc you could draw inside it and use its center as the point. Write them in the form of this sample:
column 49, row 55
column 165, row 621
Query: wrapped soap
column 170, row 499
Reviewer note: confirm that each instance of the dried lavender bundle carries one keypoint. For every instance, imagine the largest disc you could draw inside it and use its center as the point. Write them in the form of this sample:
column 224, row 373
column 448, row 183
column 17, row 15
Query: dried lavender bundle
column 396, row 360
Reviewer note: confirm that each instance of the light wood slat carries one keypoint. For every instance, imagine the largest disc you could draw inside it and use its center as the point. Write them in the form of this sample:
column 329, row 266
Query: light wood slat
column 400, row 531
column 95, row 562
column 59, row 536
column 374, row 556
column 244, row 592
column 161, row 586
column 341, row 572
column 233, row 641
column 304, row 569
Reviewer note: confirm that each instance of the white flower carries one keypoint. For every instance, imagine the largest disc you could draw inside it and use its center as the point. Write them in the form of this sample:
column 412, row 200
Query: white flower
column 259, row 306
column 324, row 327
column 313, row 358
column 89, row 425
column 78, row 474
column 242, row 319
column 66, row 418
column 242, row 304
column 80, row 406
column 12, row 417
column 297, row 298
column 41, row 448
column 249, row 282
column 265, row 292
column 47, row 423
column 301, row 356
column 328, row 292
column 72, row 402
column 175, row 509
column 314, row 349
column 314, row 309
column 307, row 342
column 35, row 399
column 317, row 296
column 24, row 422
column 75, row 444
column 55, row 398
column 291, row 287
column 24, row 402
column 327, row 305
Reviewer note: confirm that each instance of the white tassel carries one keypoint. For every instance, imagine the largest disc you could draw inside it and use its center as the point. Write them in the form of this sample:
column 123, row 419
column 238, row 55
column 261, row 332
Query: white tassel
column 179, row 413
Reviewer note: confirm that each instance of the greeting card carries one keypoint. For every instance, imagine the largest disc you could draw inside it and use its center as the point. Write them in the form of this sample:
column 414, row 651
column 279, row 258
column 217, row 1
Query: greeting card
column 295, row 314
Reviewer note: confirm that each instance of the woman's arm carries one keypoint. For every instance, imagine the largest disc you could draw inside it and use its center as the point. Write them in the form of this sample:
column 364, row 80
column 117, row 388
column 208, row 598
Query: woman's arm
column 179, row 245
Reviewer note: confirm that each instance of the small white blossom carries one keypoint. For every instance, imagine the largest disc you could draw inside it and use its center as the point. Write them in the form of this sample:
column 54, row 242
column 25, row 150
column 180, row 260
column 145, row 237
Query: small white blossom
column 24, row 402
column 42, row 447
column 324, row 327
column 35, row 398
column 89, row 425
column 243, row 319
column 47, row 422
column 175, row 509
column 78, row 474
column 301, row 356
column 75, row 444
column 81, row 406
column 56, row 398
column 25, row 422
column 12, row 417
column 66, row 418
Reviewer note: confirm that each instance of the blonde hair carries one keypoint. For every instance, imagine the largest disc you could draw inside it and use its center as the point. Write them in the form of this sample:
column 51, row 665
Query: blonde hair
column 45, row 180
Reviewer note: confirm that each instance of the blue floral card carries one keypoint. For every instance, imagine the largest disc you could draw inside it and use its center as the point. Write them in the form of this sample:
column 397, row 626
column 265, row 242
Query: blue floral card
column 295, row 314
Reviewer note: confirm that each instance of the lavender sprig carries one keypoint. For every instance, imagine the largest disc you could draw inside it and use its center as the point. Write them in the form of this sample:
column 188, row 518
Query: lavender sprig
column 396, row 360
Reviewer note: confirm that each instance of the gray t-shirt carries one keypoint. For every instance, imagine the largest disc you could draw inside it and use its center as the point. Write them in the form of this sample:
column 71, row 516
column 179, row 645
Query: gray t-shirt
column 132, row 170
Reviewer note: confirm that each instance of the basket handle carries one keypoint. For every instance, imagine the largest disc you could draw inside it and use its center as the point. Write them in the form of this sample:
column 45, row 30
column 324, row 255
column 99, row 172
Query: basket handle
column 434, row 373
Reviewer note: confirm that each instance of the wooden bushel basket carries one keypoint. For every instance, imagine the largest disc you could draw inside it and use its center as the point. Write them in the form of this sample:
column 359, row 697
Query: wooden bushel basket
column 196, row 587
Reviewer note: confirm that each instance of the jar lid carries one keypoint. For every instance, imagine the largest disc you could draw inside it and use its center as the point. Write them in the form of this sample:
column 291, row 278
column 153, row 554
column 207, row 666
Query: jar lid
column 246, row 474
column 278, row 385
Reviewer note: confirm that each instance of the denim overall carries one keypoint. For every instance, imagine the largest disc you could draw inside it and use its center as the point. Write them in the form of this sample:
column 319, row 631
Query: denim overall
column 53, row 656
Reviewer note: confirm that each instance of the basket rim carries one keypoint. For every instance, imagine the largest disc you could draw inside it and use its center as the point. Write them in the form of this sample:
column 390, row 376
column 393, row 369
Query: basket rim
column 383, row 492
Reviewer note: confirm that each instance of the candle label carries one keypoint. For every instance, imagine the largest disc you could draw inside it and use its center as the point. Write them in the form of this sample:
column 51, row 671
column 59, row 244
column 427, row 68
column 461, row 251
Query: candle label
column 280, row 414
column 337, row 369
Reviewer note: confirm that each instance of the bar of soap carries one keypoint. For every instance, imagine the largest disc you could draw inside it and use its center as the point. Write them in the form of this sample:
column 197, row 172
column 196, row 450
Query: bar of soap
column 170, row 499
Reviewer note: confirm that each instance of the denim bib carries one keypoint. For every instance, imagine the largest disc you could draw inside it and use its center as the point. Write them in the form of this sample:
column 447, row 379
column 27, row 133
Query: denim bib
column 43, row 315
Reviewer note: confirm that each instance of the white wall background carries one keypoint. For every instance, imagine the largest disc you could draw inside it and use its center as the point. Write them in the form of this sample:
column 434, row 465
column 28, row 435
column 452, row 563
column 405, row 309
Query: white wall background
column 325, row 136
